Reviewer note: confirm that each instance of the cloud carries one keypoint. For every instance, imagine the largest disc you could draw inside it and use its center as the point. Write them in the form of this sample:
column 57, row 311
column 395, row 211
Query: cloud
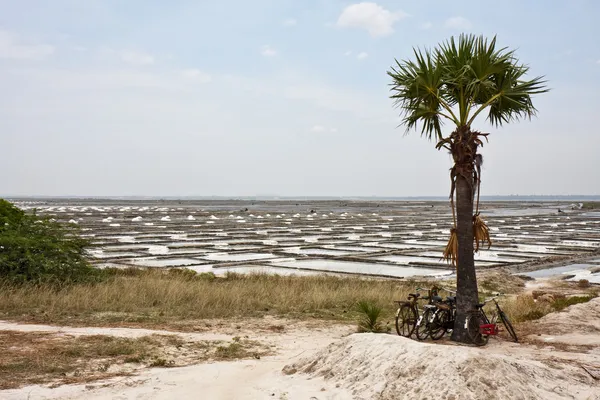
column 460, row 23
column 12, row 47
column 370, row 16
column 195, row 75
column 348, row 53
column 290, row 22
column 426, row 25
column 362, row 55
column 135, row 58
column 268, row 51
column 321, row 129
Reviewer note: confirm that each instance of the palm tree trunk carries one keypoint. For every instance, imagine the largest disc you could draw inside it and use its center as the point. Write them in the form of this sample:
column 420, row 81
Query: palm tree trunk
column 466, row 280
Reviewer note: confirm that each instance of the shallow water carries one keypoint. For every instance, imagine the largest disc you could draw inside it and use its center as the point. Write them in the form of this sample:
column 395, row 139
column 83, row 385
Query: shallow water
column 236, row 257
column 549, row 272
column 315, row 251
column 363, row 268
column 164, row 262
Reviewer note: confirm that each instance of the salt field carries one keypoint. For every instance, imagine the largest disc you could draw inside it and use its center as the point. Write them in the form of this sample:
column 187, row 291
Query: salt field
column 385, row 238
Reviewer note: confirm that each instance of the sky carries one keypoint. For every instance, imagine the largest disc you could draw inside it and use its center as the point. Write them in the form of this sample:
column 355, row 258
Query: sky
column 275, row 97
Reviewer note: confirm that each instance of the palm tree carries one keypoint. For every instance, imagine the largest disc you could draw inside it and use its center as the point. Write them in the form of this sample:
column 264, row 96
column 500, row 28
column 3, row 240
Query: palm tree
column 456, row 82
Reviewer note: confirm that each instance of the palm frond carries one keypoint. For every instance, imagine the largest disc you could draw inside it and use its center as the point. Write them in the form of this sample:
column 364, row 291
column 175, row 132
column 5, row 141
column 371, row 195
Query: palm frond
column 461, row 78
column 416, row 90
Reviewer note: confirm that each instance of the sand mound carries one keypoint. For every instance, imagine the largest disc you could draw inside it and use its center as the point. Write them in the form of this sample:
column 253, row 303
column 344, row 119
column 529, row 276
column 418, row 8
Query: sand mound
column 584, row 317
column 389, row 367
column 577, row 325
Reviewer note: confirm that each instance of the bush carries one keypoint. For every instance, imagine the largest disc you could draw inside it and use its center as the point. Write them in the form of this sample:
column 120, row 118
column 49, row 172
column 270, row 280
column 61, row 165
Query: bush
column 561, row 304
column 35, row 249
column 370, row 314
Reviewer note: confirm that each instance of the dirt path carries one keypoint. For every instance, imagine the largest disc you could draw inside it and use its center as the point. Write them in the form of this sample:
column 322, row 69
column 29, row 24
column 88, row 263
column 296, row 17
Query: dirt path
column 247, row 379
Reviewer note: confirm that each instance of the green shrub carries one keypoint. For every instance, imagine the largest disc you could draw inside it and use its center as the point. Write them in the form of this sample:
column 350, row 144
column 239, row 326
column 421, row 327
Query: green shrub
column 562, row 303
column 370, row 313
column 35, row 249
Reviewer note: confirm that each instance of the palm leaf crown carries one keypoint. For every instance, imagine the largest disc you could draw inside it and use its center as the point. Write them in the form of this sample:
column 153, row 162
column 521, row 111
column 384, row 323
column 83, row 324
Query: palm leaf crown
column 460, row 79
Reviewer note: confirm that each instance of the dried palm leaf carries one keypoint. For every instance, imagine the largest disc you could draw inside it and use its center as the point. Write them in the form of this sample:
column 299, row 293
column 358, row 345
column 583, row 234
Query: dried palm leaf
column 451, row 250
column 481, row 232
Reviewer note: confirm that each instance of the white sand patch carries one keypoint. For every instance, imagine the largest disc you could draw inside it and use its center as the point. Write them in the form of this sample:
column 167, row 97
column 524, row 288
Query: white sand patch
column 388, row 367
column 239, row 380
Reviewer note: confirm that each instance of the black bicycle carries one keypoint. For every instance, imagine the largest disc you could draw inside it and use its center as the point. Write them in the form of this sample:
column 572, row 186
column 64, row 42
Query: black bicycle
column 407, row 314
column 480, row 327
column 437, row 319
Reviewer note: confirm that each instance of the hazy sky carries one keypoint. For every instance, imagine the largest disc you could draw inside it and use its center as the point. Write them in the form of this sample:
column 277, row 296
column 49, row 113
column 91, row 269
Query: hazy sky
column 287, row 97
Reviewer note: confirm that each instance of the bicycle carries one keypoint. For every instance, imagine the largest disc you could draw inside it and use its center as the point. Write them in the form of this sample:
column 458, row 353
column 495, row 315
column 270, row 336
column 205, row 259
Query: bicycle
column 408, row 311
column 437, row 319
column 480, row 327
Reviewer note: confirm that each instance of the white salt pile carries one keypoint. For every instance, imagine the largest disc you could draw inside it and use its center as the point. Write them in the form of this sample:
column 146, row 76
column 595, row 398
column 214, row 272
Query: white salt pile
column 136, row 219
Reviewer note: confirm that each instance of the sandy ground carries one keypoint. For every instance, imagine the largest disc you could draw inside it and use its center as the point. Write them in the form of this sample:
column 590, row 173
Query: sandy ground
column 247, row 379
column 321, row 360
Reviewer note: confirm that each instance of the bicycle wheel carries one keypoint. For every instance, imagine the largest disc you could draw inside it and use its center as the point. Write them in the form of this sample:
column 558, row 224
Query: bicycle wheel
column 422, row 328
column 437, row 328
column 508, row 326
column 405, row 320
column 473, row 323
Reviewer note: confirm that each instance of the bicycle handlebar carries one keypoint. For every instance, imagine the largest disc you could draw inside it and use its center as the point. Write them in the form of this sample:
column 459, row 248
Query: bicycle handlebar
column 493, row 298
column 448, row 290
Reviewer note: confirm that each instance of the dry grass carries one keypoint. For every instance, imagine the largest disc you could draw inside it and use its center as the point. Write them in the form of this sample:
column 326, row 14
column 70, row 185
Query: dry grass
column 178, row 299
column 524, row 308
column 155, row 298
column 36, row 358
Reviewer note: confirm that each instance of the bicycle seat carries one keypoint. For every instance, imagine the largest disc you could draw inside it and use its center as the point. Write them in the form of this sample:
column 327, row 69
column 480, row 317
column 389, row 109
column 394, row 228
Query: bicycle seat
column 479, row 305
column 414, row 296
column 436, row 298
column 451, row 299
